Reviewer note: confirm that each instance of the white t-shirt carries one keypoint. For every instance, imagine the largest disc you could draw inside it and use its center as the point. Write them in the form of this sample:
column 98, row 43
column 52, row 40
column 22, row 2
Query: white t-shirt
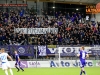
column 87, row 17
column 3, row 57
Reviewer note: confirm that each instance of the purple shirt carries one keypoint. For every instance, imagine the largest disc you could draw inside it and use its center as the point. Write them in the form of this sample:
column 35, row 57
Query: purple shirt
column 82, row 54
column 16, row 57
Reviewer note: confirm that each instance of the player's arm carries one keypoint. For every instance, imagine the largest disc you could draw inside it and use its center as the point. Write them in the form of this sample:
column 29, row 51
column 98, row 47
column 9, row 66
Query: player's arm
column 10, row 58
column 87, row 55
column 78, row 55
column 18, row 59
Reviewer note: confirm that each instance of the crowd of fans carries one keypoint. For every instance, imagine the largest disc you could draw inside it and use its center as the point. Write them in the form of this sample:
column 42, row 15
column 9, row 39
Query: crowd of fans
column 72, row 29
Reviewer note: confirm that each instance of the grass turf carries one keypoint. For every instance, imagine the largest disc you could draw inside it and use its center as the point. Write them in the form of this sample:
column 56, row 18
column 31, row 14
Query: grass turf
column 55, row 71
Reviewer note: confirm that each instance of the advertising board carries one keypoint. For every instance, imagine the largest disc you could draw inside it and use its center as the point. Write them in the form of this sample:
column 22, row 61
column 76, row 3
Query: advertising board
column 71, row 51
column 53, row 63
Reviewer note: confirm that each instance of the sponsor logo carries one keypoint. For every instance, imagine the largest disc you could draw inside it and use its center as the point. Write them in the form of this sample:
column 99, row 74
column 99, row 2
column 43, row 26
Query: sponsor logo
column 34, row 63
column 21, row 50
column 64, row 49
column 68, row 64
column 24, row 64
column 71, row 51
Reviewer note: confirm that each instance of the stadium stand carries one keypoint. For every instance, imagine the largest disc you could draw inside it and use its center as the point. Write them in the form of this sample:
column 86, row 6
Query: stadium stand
column 72, row 27
column 50, row 37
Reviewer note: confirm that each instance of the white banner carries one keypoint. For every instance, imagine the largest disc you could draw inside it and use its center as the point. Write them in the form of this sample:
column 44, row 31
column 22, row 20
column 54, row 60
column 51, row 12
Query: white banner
column 36, row 30
column 42, row 50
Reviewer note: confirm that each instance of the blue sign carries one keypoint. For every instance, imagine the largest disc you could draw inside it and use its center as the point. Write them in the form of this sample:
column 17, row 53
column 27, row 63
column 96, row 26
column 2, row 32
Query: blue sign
column 28, row 50
column 22, row 50
column 63, row 52
column 72, row 51
column 6, row 48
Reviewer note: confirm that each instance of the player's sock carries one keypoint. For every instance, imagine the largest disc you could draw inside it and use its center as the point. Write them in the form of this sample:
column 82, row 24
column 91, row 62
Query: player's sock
column 6, row 72
column 17, row 68
column 11, row 72
column 84, row 72
column 81, row 72
column 21, row 68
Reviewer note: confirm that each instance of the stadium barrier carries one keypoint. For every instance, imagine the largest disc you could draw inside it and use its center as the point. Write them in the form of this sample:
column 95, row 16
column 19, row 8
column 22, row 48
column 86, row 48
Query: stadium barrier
column 28, row 50
column 53, row 63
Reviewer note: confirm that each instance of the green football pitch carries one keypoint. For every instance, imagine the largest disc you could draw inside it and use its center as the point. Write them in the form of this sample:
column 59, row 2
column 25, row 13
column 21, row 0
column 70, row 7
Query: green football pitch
column 55, row 71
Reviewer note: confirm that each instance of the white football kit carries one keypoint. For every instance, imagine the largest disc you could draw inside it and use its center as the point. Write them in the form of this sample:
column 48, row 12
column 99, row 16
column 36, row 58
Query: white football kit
column 4, row 61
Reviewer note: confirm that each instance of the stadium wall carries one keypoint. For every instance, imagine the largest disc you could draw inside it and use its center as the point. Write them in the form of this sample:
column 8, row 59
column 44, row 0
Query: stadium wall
column 53, row 63
column 98, row 17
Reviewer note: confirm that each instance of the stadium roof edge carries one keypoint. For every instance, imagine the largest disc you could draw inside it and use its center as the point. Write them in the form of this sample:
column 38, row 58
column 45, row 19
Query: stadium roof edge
column 81, row 2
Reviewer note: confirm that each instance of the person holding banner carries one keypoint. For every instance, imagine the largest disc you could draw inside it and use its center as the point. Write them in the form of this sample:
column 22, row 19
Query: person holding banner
column 82, row 56
column 18, row 62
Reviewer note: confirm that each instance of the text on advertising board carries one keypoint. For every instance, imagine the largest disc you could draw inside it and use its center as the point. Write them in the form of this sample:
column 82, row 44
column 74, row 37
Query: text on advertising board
column 93, row 9
column 68, row 64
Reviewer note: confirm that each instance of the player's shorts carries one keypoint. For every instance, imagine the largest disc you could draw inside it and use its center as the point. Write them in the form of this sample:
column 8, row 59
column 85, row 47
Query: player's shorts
column 17, row 64
column 5, row 65
column 82, row 63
